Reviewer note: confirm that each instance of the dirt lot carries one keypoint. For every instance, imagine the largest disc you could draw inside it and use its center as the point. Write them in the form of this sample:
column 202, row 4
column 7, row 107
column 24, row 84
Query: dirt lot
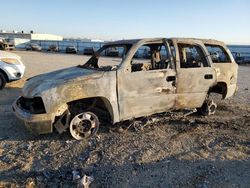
column 167, row 150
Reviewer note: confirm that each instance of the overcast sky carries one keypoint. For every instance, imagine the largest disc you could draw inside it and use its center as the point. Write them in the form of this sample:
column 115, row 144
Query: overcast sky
column 227, row 20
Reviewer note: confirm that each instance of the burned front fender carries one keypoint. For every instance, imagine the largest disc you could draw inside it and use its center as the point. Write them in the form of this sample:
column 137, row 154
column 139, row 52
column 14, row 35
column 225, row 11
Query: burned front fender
column 76, row 89
column 59, row 88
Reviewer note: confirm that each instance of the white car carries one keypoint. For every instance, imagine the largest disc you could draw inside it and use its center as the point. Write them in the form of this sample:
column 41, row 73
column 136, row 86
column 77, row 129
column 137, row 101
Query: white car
column 11, row 68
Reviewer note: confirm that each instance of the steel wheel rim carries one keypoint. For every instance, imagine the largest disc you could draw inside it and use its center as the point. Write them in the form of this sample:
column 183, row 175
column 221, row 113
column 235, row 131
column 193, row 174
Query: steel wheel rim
column 84, row 125
column 212, row 108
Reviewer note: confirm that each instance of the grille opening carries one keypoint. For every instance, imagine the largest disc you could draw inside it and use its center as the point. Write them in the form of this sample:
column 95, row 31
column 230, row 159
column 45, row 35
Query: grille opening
column 34, row 105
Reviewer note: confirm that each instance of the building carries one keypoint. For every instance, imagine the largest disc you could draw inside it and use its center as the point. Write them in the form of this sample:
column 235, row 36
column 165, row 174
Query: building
column 30, row 36
column 21, row 38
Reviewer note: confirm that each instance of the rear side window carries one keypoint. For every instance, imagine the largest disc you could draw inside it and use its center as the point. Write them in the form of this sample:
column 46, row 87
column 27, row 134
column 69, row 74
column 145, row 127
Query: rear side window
column 218, row 54
column 191, row 56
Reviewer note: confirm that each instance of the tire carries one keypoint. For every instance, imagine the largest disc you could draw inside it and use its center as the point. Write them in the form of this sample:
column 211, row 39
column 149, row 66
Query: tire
column 2, row 81
column 84, row 125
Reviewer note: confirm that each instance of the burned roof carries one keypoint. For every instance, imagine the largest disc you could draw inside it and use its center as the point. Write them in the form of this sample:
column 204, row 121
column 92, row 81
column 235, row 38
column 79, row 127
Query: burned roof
column 133, row 41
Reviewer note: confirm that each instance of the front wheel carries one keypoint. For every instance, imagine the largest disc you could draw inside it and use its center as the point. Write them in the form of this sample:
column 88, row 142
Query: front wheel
column 84, row 125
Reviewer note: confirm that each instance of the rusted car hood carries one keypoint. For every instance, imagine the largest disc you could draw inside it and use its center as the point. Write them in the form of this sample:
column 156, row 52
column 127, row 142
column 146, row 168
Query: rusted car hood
column 35, row 86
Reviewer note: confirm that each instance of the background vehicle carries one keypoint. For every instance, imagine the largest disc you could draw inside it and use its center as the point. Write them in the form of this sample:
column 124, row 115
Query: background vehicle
column 33, row 47
column 238, row 58
column 179, row 74
column 6, row 44
column 112, row 52
column 53, row 48
column 71, row 50
column 88, row 51
column 11, row 68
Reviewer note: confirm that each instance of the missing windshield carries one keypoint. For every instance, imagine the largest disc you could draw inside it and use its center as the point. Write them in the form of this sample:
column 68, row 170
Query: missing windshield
column 108, row 58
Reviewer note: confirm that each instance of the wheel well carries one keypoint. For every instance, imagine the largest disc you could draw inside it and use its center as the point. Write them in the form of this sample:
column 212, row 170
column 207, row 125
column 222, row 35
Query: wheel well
column 220, row 88
column 5, row 75
column 99, row 105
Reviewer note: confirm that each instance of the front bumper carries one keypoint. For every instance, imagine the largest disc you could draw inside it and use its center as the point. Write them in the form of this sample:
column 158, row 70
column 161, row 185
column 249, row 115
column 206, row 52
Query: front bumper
column 36, row 123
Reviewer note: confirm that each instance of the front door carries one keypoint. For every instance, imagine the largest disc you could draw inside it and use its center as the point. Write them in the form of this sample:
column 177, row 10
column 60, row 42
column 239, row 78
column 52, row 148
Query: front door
column 148, row 87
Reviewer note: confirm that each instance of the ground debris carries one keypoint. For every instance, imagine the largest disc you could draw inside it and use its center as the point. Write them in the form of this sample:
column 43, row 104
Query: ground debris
column 190, row 112
column 85, row 181
column 139, row 124
column 76, row 175
column 30, row 183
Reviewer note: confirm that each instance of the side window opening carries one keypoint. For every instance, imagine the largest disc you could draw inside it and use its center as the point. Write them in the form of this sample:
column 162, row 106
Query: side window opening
column 218, row 54
column 151, row 57
column 191, row 56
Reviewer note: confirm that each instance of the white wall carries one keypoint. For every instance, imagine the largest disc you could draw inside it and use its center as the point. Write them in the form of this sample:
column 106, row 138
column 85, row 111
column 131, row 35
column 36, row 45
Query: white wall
column 46, row 37
column 20, row 43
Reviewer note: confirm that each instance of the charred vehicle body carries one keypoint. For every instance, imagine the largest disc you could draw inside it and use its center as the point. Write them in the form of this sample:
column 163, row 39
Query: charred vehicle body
column 178, row 73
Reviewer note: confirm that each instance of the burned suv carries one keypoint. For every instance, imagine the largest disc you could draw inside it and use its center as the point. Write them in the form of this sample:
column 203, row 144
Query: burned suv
column 147, row 76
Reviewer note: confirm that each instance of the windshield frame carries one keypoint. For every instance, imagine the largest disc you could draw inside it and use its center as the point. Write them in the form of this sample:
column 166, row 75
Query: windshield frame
column 92, row 62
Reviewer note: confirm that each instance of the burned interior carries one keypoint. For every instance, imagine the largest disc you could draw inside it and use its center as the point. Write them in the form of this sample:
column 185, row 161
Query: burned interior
column 152, row 56
column 191, row 56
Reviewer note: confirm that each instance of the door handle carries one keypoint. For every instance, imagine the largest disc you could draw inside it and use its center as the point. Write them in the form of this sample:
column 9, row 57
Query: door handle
column 208, row 76
column 171, row 78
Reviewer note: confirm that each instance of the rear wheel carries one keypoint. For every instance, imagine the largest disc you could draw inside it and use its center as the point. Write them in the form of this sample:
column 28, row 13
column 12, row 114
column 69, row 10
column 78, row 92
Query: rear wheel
column 84, row 125
column 208, row 107
column 2, row 81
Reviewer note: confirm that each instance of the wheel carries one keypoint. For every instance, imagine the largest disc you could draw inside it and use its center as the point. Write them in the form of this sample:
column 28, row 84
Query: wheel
column 84, row 125
column 2, row 81
column 208, row 107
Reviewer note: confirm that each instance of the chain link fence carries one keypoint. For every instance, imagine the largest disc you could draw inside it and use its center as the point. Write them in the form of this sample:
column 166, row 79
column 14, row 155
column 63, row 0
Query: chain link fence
column 62, row 45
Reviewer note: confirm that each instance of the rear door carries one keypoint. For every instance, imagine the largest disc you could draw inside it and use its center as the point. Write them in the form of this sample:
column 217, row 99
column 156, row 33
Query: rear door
column 227, row 68
column 194, row 74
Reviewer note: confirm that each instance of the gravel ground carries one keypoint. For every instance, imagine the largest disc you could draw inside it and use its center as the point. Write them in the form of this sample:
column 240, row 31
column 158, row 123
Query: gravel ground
column 164, row 150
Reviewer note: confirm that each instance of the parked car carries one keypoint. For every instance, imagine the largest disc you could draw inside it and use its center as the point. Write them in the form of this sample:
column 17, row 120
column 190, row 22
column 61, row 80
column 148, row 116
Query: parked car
column 11, row 68
column 71, row 50
column 238, row 58
column 107, row 89
column 33, row 47
column 6, row 44
column 88, row 51
column 247, row 59
column 53, row 48
column 112, row 52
